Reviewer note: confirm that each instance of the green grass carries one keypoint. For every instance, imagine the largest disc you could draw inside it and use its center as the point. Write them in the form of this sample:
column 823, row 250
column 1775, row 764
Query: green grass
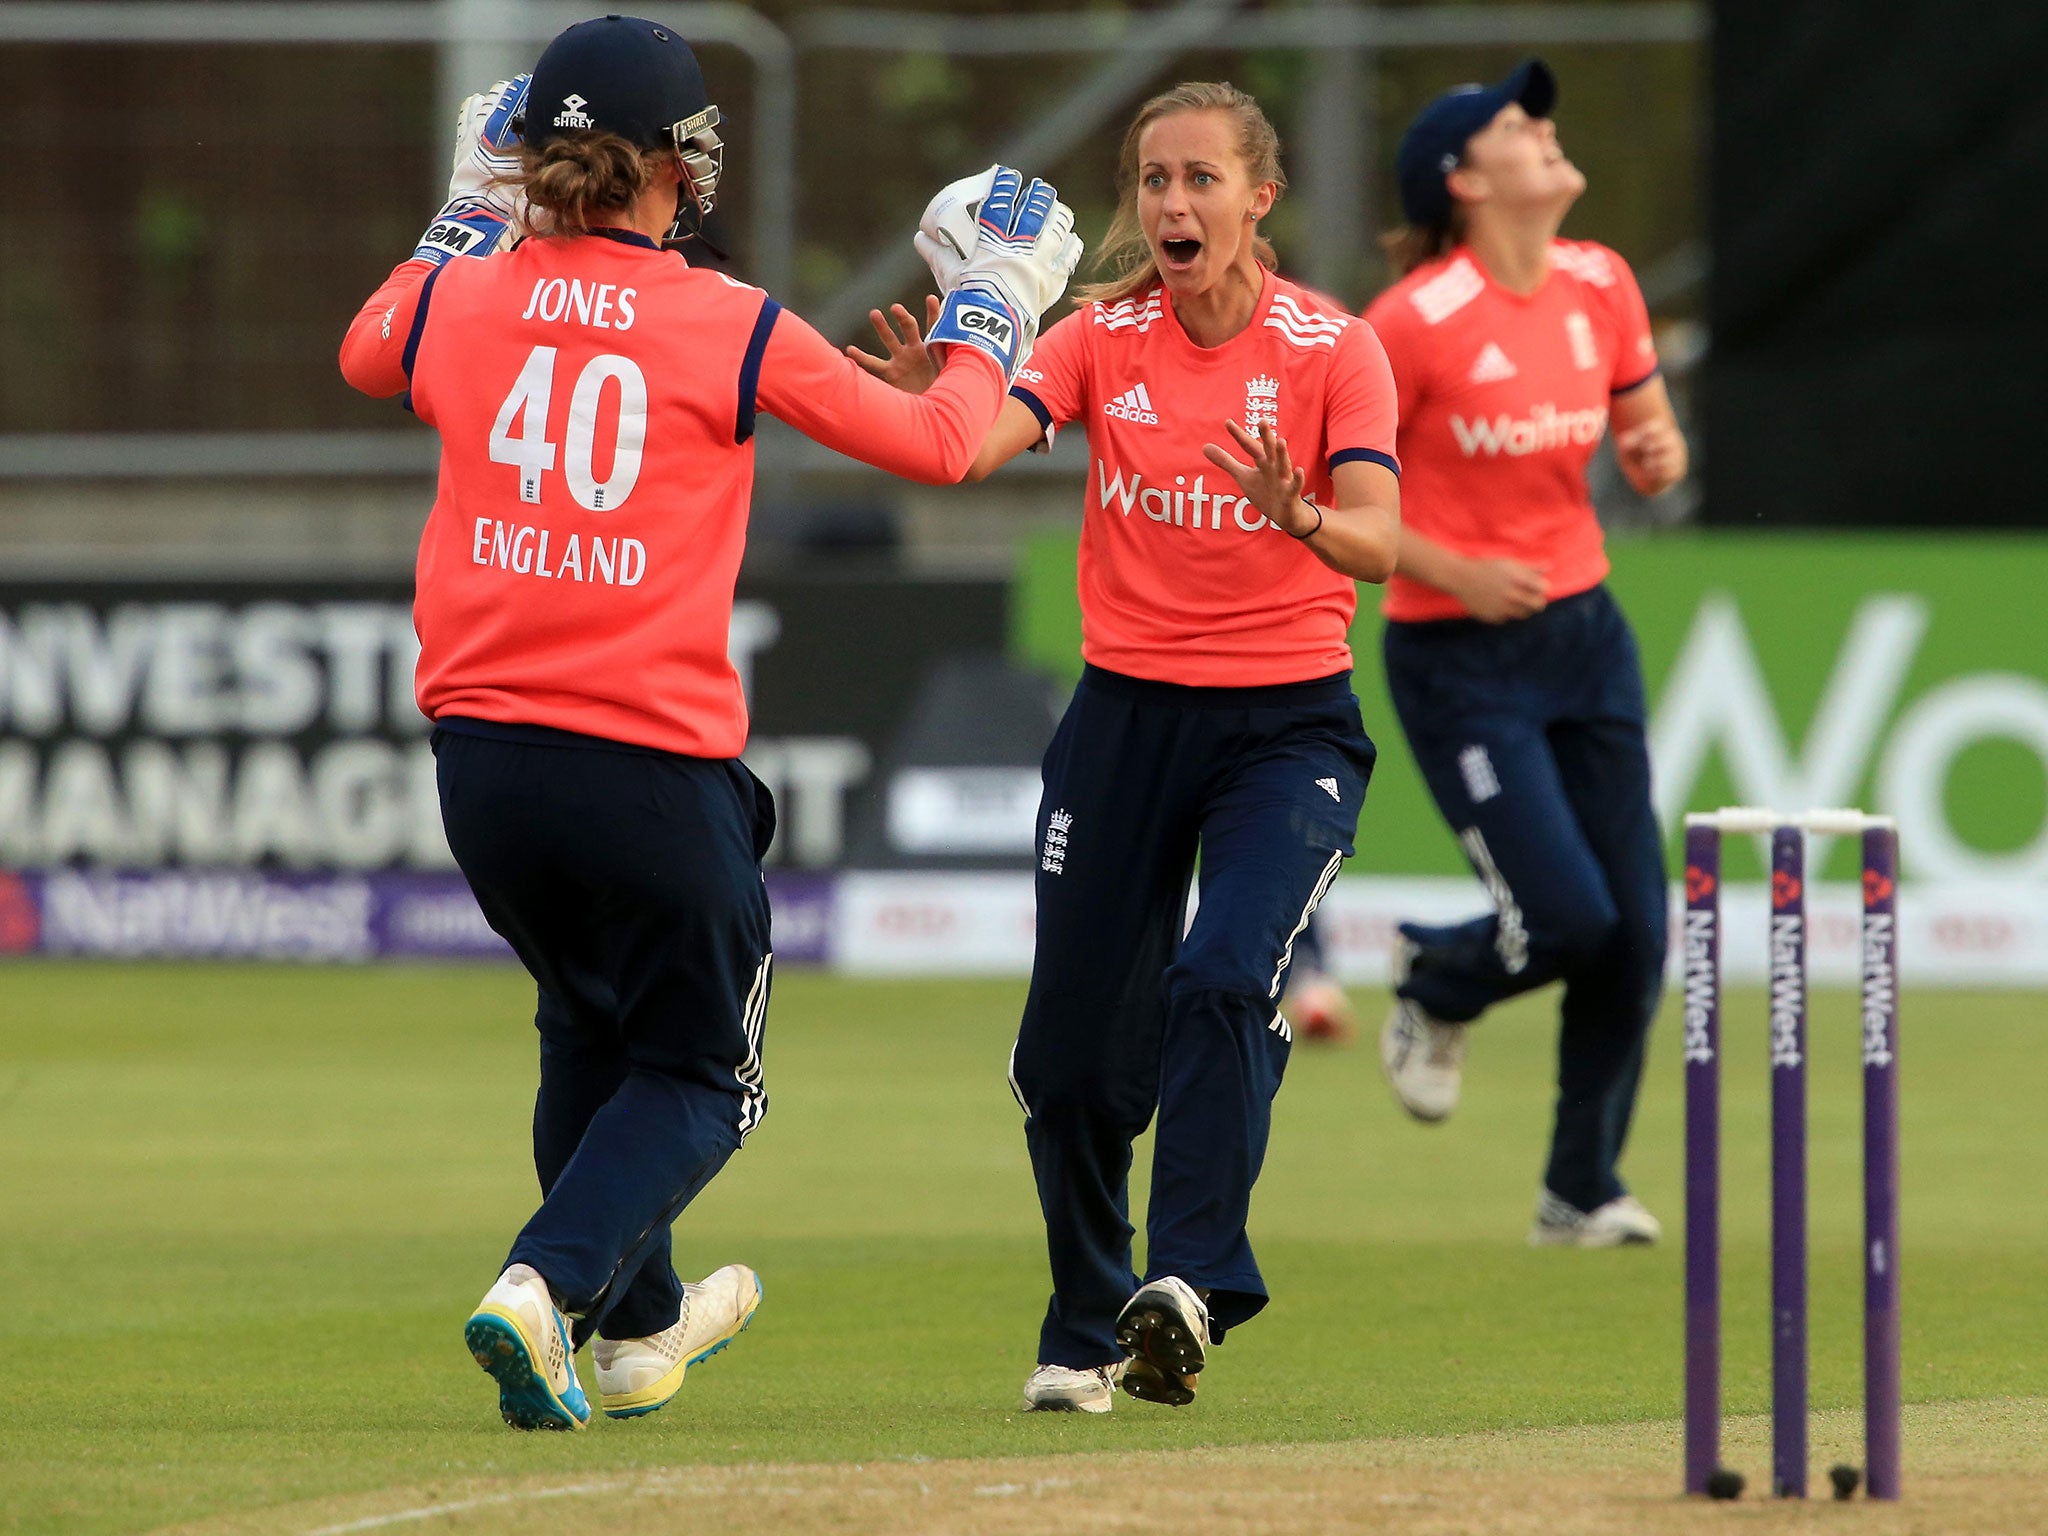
column 244, row 1211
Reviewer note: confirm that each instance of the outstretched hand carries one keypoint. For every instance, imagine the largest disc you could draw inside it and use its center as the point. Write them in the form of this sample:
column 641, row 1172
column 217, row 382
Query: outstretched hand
column 908, row 363
column 482, row 200
column 1270, row 482
column 995, row 288
column 487, row 147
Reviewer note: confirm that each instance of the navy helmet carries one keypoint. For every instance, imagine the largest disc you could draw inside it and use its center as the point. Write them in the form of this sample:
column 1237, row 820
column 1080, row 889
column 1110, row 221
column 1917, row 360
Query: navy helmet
column 1435, row 141
column 634, row 78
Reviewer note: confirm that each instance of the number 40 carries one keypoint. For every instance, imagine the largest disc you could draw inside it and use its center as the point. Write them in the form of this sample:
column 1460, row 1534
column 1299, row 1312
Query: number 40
column 533, row 455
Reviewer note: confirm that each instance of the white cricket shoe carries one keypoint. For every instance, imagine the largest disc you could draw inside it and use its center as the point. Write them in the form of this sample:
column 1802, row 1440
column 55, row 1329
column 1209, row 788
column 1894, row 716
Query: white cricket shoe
column 1621, row 1222
column 1424, row 1059
column 1164, row 1330
column 1060, row 1389
column 520, row 1337
column 637, row 1376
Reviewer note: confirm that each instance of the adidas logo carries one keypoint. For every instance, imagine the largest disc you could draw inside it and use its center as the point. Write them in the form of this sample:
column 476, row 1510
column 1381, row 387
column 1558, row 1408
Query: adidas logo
column 1133, row 405
column 1329, row 787
column 1492, row 365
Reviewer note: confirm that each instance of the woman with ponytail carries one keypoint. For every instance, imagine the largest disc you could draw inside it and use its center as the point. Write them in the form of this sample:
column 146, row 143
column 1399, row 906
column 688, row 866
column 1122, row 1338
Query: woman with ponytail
column 1241, row 481
column 596, row 397
column 1513, row 670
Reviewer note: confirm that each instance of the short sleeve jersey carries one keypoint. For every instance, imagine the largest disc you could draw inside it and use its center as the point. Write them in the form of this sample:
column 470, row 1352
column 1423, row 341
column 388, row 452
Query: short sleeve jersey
column 1181, row 579
column 1503, row 400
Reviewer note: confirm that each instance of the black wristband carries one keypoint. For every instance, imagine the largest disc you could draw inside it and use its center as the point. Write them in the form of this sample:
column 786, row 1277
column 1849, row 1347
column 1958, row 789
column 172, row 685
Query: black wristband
column 1313, row 531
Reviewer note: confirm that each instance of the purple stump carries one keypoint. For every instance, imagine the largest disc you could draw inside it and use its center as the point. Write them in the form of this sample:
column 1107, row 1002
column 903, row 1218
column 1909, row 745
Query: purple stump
column 1702, row 941
column 1881, row 1161
column 1788, row 1162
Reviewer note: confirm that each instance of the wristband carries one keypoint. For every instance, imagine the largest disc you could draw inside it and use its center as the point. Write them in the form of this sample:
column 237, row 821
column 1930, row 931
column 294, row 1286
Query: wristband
column 1305, row 537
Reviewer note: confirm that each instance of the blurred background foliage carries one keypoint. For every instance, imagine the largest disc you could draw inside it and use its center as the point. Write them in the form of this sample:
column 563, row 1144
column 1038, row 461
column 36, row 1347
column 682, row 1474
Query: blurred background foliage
column 199, row 224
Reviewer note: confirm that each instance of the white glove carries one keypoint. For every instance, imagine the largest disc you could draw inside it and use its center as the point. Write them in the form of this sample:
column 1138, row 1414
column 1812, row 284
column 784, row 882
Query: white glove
column 487, row 146
column 946, row 234
column 1023, row 252
column 480, row 207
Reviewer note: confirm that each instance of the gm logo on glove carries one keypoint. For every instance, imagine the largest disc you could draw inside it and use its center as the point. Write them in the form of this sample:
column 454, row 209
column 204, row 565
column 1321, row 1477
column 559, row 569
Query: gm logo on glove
column 991, row 323
column 974, row 317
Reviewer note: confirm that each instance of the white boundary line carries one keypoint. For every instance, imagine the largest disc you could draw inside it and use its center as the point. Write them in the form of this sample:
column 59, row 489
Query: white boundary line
column 656, row 1481
column 459, row 1506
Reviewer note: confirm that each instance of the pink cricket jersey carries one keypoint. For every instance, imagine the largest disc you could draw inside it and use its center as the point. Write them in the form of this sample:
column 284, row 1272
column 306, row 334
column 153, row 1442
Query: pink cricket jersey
column 1181, row 580
column 1503, row 400
column 595, row 399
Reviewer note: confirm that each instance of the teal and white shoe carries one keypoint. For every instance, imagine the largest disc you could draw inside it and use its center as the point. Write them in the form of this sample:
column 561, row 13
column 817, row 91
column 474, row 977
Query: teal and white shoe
column 637, row 1376
column 519, row 1336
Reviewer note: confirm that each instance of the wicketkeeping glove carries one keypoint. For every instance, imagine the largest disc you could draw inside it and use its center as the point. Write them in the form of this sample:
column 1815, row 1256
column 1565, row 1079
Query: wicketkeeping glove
column 946, row 234
column 1023, row 251
column 480, row 206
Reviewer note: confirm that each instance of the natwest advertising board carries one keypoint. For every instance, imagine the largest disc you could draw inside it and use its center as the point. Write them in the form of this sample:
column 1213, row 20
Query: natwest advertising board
column 900, row 923
column 157, row 725
column 238, row 768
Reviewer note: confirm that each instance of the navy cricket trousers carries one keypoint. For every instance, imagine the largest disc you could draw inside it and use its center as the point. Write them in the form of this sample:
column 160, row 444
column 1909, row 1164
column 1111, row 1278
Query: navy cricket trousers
column 629, row 883
column 1531, row 737
column 1126, row 1016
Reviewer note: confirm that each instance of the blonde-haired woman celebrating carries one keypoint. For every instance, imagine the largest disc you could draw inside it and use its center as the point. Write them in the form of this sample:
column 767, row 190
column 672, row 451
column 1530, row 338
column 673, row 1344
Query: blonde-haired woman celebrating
column 1514, row 672
column 1241, row 480
column 596, row 396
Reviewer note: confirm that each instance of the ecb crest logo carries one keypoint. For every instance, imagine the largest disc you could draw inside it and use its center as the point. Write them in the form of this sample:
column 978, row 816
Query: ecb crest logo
column 1262, row 403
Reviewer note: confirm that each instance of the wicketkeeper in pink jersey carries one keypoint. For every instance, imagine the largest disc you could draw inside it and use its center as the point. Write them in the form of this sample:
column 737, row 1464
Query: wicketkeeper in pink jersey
column 595, row 397
column 1513, row 671
column 1241, row 481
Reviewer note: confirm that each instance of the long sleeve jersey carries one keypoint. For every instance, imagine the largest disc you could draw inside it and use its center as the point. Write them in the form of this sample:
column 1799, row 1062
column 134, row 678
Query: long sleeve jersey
column 595, row 398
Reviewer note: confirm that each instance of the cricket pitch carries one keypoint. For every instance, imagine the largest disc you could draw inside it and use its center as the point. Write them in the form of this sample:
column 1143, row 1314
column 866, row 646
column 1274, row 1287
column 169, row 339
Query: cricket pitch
column 1972, row 1469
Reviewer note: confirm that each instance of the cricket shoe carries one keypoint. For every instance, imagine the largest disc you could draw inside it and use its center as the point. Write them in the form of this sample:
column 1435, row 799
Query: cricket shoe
column 519, row 1336
column 1621, row 1222
column 1164, row 1332
column 1424, row 1059
column 637, row 1376
column 1061, row 1389
column 1320, row 1011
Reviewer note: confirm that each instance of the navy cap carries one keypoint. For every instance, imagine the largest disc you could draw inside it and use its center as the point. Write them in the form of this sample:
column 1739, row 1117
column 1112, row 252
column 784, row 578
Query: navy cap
column 1435, row 141
column 616, row 74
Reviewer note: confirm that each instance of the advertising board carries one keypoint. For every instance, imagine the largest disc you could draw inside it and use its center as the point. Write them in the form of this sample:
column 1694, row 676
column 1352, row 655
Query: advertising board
column 1905, row 674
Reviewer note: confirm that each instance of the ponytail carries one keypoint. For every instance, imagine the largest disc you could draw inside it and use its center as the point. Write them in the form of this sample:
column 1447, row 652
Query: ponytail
column 581, row 180
column 1416, row 245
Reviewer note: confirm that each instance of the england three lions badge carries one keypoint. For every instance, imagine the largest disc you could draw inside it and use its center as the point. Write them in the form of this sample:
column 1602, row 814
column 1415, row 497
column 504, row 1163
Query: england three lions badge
column 1262, row 403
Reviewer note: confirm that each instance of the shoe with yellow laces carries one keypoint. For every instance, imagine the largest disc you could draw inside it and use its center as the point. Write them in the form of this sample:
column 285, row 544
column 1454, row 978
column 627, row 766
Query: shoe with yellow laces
column 637, row 1376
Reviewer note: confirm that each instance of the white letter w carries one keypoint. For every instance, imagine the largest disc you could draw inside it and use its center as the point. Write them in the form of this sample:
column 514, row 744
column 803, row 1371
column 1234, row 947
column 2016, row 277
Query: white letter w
column 1115, row 488
column 1716, row 697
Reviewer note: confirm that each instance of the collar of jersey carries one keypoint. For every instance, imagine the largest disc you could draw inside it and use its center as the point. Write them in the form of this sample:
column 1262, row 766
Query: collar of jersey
column 1268, row 286
column 1495, row 285
column 625, row 237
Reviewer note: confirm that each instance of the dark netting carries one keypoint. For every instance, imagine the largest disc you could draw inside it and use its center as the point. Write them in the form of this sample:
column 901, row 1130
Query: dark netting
column 1880, row 319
